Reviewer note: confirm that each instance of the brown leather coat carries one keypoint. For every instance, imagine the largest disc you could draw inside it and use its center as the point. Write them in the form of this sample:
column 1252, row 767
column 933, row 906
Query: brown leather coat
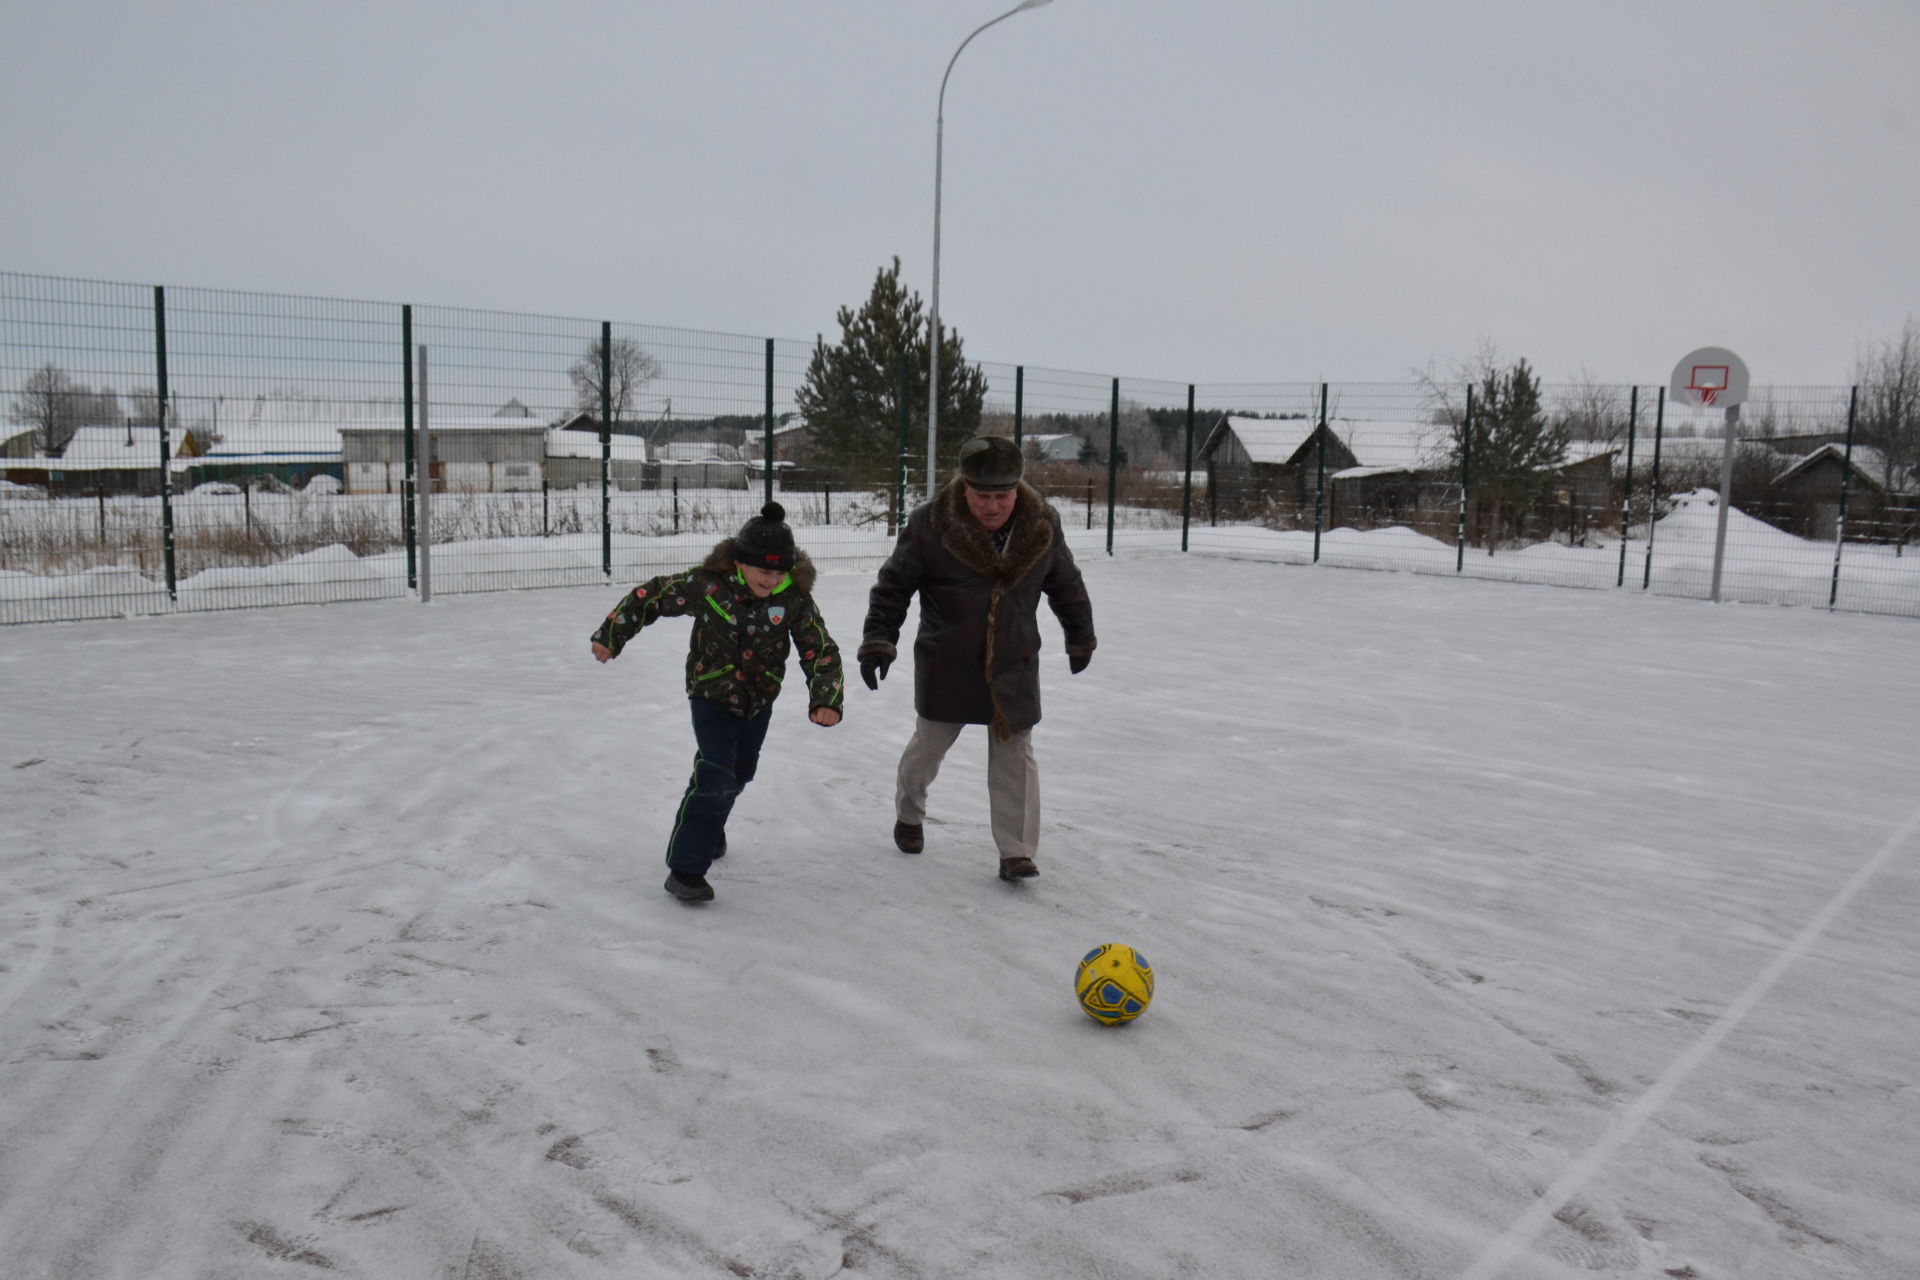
column 976, row 657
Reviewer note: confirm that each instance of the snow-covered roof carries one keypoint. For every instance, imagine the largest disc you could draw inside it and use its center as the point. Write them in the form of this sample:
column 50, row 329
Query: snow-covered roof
column 1868, row 463
column 1374, row 444
column 1270, row 440
column 107, row 449
column 564, row 443
column 1061, row 446
column 699, row 451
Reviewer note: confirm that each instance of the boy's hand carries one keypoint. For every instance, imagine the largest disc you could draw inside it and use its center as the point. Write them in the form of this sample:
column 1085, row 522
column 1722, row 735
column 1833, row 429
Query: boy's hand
column 825, row 716
column 600, row 652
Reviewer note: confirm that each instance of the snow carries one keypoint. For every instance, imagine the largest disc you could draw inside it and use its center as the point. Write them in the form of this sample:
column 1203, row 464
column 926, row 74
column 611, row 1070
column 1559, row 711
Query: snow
column 1763, row 564
column 1498, row 931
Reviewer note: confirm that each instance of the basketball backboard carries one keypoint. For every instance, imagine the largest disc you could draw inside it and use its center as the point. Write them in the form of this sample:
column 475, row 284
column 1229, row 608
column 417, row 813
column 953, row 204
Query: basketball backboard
column 1712, row 377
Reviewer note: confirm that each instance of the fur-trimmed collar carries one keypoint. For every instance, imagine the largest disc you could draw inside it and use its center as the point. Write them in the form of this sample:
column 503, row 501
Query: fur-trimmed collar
column 961, row 534
column 722, row 561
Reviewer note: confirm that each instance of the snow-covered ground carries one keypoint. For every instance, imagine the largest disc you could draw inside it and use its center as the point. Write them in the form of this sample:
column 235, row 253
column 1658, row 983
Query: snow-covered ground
column 1499, row 931
column 483, row 543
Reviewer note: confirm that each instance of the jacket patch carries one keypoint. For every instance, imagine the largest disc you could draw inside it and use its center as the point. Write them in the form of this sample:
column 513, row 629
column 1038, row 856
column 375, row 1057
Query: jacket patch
column 777, row 614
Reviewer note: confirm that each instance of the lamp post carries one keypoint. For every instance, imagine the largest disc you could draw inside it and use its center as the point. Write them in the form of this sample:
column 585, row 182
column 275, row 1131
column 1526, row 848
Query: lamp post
column 939, row 142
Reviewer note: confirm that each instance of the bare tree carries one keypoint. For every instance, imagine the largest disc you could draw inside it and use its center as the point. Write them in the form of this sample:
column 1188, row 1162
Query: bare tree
column 631, row 367
column 55, row 406
column 1594, row 410
column 1888, row 376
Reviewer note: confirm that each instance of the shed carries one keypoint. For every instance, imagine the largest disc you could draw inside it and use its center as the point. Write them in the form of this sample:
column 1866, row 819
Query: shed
column 573, row 459
column 1805, row 498
column 97, row 460
column 1274, row 465
column 488, row 454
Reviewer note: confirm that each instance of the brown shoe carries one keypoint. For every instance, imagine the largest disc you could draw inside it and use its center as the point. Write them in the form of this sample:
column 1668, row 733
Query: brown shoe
column 1017, row 869
column 909, row 837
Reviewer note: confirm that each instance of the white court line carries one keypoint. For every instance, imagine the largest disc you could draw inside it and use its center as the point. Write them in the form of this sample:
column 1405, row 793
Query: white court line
column 1521, row 1233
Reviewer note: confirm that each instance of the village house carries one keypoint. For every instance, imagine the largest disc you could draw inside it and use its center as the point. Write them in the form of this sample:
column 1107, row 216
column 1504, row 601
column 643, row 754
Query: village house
column 98, row 460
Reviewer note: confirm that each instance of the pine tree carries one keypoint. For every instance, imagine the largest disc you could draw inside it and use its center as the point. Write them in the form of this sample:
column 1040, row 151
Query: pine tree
column 1513, row 451
column 851, row 396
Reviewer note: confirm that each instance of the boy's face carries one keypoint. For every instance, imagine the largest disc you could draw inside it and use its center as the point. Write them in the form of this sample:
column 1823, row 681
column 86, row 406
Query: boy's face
column 761, row 582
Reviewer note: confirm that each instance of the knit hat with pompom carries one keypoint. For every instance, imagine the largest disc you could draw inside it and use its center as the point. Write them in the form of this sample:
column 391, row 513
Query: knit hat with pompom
column 765, row 542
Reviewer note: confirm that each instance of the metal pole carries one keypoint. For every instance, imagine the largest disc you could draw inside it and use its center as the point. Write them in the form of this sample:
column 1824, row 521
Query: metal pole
column 1186, row 480
column 1846, row 487
column 1726, row 499
column 1626, row 497
column 166, row 479
column 769, row 444
column 899, row 512
column 408, row 530
column 1320, row 477
column 1019, row 401
column 1653, row 482
column 1113, row 460
column 606, row 448
column 933, row 320
column 1466, row 480
column 424, row 452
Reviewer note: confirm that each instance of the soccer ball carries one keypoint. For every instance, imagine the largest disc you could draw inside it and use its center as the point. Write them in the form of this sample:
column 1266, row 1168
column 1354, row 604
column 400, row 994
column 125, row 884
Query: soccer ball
column 1115, row 984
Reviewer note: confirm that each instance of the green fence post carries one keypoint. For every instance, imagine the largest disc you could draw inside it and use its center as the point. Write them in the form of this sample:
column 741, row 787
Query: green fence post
column 1186, row 479
column 1320, row 476
column 1113, row 460
column 1626, row 496
column 769, row 448
column 606, row 448
column 1846, row 487
column 1019, row 401
column 166, row 477
column 1466, row 478
column 407, row 530
column 1653, row 482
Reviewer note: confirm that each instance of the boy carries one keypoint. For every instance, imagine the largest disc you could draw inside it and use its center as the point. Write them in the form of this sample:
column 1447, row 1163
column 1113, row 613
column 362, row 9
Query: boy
column 751, row 602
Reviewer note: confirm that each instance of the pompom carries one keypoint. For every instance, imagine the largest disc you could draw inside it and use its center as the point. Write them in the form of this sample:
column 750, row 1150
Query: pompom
column 773, row 511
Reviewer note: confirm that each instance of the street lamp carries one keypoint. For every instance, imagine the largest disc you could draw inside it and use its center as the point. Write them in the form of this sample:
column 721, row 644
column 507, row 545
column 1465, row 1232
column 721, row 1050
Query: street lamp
column 939, row 141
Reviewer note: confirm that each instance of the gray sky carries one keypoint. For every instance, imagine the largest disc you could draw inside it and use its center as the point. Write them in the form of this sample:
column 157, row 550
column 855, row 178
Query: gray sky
column 1199, row 191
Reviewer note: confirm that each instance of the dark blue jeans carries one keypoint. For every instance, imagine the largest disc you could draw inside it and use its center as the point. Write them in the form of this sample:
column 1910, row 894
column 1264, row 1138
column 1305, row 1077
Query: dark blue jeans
column 728, row 755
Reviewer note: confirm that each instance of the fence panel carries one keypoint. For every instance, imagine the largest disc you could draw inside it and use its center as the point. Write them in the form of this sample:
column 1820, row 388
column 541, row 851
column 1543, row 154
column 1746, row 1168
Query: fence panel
column 203, row 449
column 81, row 534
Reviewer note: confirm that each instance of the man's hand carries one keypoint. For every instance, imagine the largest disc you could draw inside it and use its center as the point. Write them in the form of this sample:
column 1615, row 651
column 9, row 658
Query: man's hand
column 825, row 716
column 1077, row 662
column 600, row 652
column 873, row 669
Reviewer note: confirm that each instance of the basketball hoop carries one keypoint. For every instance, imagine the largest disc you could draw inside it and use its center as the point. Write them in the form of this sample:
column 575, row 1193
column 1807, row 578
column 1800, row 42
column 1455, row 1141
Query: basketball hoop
column 1710, row 378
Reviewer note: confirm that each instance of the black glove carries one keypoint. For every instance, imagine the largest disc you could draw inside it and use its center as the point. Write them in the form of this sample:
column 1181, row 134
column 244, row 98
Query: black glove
column 1077, row 662
column 873, row 669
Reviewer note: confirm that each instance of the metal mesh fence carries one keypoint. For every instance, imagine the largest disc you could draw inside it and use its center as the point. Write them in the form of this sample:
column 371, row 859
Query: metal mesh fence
column 185, row 449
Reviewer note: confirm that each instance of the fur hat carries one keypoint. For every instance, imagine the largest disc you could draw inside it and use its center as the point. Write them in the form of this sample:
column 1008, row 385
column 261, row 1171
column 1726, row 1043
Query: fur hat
column 991, row 462
column 765, row 542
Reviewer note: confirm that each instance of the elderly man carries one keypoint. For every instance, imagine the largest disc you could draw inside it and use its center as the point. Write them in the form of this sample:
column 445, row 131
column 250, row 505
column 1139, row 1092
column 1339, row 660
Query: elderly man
column 980, row 555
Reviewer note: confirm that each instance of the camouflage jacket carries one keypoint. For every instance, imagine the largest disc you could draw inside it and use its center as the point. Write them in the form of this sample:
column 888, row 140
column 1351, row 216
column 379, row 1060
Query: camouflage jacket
column 737, row 656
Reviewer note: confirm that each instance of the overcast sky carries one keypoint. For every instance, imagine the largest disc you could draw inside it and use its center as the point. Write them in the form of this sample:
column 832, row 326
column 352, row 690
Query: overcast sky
column 1208, row 190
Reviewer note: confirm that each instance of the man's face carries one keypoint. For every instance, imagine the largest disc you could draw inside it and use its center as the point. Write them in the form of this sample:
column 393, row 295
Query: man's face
column 991, row 507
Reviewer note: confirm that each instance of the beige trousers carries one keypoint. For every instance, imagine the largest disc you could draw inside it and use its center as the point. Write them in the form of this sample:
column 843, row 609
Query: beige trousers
column 1013, row 783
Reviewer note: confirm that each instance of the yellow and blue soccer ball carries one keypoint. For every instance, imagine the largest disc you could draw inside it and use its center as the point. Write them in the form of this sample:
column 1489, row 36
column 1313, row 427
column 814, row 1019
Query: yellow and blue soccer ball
column 1115, row 984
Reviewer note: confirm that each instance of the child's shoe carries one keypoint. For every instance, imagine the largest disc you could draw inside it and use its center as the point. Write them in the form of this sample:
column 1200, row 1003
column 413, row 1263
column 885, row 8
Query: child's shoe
column 689, row 888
